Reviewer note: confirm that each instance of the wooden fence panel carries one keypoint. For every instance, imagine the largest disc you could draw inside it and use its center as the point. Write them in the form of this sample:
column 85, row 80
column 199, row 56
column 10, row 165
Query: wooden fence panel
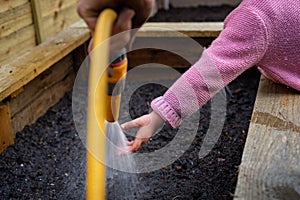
column 57, row 15
column 17, row 31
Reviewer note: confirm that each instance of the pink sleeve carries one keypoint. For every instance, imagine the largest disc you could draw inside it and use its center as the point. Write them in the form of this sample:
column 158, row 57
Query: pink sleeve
column 240, row 46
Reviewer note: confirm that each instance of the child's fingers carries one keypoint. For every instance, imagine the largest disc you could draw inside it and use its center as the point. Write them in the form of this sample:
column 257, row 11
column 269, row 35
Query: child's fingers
column 130, row 143
column 136, row 145
column 138, row 122
column 129, row 125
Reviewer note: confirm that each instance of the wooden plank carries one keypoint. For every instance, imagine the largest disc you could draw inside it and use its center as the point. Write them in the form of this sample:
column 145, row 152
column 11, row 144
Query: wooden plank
column 7, row 5
column 21, row 71
column 37, row 86
column 6, row 134
column 79, row 55
column 191, row 29
column 146, row 56
column 42, row 93
column 60, row 20
column 15, row 19
column 17, row 33
column 37, row 18
column 48, row 7
column 165, row 50
column 12, row 46
column 270, row 167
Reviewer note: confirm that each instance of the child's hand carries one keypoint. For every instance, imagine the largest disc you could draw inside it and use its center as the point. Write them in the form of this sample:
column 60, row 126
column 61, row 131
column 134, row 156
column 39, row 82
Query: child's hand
column 148, row 125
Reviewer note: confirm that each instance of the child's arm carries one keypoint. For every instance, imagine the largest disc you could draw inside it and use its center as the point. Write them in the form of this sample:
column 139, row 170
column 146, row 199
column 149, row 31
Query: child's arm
column 240, row 46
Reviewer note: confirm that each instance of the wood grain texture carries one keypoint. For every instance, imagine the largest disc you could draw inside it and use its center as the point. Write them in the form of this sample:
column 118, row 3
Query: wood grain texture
column 8, row 5
column 48, row 7
column 17, row 32
column 42, row 93
column 25, row 68
column 16, row 44
column 270, row 167
column 59, row 19
column 15, row 19
column 6, row 134
column 36, row 87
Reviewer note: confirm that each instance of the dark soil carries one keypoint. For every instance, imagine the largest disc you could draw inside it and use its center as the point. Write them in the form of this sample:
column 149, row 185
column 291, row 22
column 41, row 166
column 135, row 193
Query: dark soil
column 47, row 160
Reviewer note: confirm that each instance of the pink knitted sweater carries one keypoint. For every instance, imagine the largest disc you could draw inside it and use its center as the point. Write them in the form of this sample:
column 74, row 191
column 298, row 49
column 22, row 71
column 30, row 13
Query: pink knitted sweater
column 263, row 33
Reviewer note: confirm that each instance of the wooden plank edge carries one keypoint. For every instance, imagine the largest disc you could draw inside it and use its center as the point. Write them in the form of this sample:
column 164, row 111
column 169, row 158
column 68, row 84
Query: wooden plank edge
column 270, row 161
column 6, row 133
column 181, row 29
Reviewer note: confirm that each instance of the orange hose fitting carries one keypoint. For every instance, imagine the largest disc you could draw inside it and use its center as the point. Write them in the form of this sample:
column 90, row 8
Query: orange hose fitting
column 116, row 83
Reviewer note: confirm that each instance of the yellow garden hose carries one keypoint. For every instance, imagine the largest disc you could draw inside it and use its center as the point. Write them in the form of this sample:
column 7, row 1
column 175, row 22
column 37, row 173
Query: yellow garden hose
column 97, row 107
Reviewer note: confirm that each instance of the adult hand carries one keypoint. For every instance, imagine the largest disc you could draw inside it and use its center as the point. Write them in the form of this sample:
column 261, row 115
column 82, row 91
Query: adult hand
column 148, row 125
column 131, row 14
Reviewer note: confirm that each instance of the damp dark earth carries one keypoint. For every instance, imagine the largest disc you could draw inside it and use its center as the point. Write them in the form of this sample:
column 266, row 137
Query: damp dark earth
column 48, row 159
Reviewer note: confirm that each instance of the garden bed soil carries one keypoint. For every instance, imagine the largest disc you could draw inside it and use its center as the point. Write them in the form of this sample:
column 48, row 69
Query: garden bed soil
column 47, row 160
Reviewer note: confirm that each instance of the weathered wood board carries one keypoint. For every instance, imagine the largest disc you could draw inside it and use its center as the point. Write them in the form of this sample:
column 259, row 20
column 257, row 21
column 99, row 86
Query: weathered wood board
column 7, row 5
column 42, row 93
column 15, row 19
column 57, row 15
column 270, row 167
column 24, row 24
column 177, row 29
column 17, row 31
column 25, row 68
column 6, row 137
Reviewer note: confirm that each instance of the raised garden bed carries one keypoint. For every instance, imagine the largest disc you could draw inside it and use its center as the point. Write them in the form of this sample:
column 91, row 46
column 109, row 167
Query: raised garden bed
column 47, row 160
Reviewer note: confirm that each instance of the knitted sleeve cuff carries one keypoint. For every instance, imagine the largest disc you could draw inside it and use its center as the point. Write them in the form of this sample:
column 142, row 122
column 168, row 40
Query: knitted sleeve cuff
column 166, row 112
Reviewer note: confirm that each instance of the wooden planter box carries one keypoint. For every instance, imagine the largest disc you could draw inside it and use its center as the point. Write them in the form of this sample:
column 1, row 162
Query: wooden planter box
column 42, row 44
